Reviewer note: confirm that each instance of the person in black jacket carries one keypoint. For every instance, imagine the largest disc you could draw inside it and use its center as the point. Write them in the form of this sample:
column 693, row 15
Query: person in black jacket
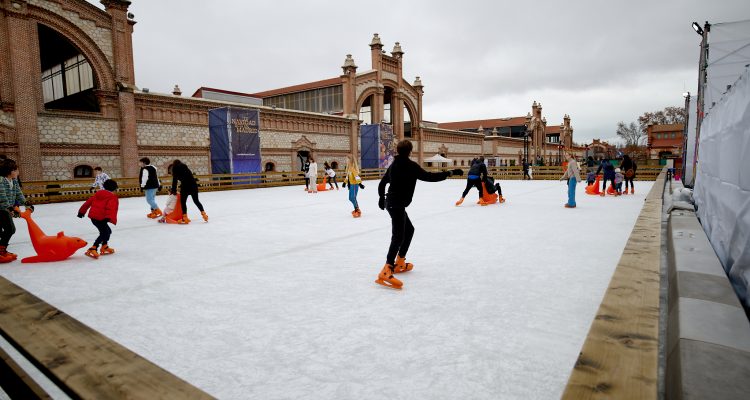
column 477, row 174
column 628, row 168
column 150, row 185
column 401, row 178
column 188, row 187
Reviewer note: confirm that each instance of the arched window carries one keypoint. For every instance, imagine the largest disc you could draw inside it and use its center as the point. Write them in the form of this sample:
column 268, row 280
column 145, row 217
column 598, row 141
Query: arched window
column 67, row 77
column 335, row 165
column 83, row 171
column 269, row 167
column 462, row 163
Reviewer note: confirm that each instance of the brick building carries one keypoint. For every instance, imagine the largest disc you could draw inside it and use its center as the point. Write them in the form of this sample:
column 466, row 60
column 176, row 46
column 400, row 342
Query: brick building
column 665, row 142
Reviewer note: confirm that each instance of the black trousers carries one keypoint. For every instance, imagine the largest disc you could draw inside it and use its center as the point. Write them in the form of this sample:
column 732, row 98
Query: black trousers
column 401, row 233
column 7, row 227
column 470, row 183
column 604, row 184
column 307, row 183
column 526, row 174
column 183, row 200
column 499, row 190
column 631, row 183
column 332, row 181
column 104, row 232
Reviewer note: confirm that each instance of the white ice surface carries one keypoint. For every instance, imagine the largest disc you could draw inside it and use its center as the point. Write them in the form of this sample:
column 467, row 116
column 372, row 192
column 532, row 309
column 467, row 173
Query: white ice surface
column 275, row 298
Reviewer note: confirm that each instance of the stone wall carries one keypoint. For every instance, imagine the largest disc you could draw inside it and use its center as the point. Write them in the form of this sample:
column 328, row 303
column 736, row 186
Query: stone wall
column 99, row 35
column 61, row 167
column 430, row 148
column 7, row 118
column 200, row 165
column 155, row 134
column 53, row 129
column 284, row 140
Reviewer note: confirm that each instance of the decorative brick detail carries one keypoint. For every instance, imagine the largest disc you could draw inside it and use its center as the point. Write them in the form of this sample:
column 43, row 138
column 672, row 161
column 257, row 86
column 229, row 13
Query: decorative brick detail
column 64, row 129
column 271, row 139
column 59, row 167
column 155, row 134
column 7, row 118
column 100, row 35
column 200, row 165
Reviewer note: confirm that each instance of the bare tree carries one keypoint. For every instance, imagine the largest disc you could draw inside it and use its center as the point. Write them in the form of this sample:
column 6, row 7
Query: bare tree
column 631, row 133
column 669, row 115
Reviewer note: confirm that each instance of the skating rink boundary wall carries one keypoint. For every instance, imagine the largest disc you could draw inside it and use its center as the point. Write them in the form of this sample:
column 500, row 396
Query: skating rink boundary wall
column 41, row 192
column 619, row 358
column 708, row 334
column 63, row 355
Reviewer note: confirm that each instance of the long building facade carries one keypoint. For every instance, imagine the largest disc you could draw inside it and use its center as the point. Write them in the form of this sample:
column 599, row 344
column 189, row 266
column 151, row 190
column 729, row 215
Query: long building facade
column 69, row 102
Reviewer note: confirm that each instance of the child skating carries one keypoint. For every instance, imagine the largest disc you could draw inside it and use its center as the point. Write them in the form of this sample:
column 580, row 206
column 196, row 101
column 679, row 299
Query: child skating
column 618, row 181
column 477, row 174
column 11, row 198
column 401, row 178
column 331, row 175
column 102, row 208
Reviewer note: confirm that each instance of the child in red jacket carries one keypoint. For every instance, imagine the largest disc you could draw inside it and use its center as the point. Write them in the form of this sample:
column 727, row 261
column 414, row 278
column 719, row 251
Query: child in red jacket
column 103, row 206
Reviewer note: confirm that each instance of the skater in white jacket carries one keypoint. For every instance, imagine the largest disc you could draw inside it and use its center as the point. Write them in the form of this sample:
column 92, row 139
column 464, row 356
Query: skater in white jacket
column 312, row 173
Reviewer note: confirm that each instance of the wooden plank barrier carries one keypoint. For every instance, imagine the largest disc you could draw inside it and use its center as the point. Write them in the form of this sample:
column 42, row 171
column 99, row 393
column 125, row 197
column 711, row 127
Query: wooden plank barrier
column 41, row 192
column 619, row 358
column 79, row 360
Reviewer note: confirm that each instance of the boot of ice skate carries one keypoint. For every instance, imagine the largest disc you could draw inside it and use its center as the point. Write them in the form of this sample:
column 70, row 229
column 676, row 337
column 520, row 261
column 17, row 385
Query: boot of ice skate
column 157, row 213
column 501, row 199
column 5, row 253
column 91, row 252
column 357, row 213
column 458, row 203
column 106, row 250
column 204, row 215
column 184, row 221
column 151, row 214
column 386, row 278
column 402, row 265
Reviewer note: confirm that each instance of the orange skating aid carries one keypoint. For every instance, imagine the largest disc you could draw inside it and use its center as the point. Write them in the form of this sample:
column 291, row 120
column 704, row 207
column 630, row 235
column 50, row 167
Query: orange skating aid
column 611, row 191
column 487, row 198
column 176, row 214
column 594, row 187
column 49, row 248
column 386, row 278
column 402, row 265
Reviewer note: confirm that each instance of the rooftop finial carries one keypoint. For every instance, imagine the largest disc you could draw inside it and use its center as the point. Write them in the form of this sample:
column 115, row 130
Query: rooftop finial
column 376, row 41
column 176, row 91
column 349, row 62
column 418, row 83
column 397, row 52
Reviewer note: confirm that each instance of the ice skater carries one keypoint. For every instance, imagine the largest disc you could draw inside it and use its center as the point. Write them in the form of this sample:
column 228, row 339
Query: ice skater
column 401, row 178
column 618, row 181
column 11, row 197
column 629, row 167
column 477, row 174
column 150, row 185
column 188, row 187
column 331, row 174
column 355, row 183
column 312, row 173
column 102, row 208
column 609, row 174
column 305, row 169
column 526, row 169
column 573, row 176
column 99, row 178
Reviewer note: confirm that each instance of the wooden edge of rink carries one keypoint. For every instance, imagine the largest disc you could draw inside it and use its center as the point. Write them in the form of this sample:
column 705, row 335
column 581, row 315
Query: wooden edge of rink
column 619, row 358
column 81, row 361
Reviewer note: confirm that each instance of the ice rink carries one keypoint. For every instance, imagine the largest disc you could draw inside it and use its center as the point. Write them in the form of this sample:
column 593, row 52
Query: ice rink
column 274, row 297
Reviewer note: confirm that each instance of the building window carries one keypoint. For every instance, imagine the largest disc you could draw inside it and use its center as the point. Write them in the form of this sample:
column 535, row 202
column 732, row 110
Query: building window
column 462, row 163
column 83, row 171
column 270, row 167
column 335, row 165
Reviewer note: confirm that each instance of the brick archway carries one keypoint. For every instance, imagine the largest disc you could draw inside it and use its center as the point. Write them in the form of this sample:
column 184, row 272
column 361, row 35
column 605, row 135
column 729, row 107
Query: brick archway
column 103, row 72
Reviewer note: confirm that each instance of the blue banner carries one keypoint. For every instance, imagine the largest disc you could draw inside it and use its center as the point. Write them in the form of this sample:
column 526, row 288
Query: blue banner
column 235, row 140
column 369, row 145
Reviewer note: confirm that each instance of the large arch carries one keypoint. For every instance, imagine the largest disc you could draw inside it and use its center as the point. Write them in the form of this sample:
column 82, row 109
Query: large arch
column 103, row 71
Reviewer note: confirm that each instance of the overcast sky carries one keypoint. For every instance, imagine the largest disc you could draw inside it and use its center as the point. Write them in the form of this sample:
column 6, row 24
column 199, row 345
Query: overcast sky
column 599, row 61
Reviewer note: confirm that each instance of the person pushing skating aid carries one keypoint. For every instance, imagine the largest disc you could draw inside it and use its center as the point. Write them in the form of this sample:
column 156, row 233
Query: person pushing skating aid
column 402, row 177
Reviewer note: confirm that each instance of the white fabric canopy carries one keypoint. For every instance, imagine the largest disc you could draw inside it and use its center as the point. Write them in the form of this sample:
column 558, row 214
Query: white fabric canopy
column 438, row 158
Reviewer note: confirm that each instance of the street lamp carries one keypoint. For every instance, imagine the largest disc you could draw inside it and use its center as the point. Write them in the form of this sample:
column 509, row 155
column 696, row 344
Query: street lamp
column 697, row 28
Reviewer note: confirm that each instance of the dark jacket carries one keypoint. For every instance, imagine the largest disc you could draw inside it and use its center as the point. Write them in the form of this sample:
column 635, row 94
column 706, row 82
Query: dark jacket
column 103, row 205
column 609, row 169
column 182, row 173
column 628, row 163
column 402, row 176
column 478, row 169
column 152, row 181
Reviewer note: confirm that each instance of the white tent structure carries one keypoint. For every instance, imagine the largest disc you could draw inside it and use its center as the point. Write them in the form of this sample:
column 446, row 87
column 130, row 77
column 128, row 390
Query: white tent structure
column 438, row 158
